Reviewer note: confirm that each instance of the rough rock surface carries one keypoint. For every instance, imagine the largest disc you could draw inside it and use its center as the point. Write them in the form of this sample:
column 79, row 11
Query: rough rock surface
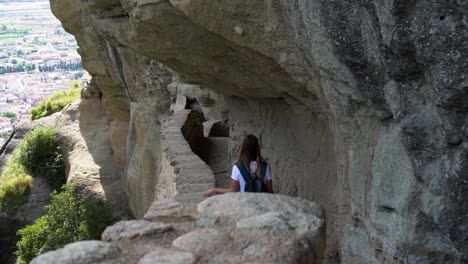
column 9, row 146
column 359, row 105
column 8, row 239
column 242, row 233
column 132, row 229
column 83, row 133
column 79, row 252
column 32, row 209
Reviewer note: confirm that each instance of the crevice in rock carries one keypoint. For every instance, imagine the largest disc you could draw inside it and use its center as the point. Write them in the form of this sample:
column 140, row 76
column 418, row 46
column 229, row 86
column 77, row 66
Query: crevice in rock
column 387, row 209
column 193, row 134
column 213, row 150
column 219, row 129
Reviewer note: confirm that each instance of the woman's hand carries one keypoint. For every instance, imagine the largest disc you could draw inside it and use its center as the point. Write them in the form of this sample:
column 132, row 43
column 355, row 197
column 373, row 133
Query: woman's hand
column 210, row 192
column 234, row 188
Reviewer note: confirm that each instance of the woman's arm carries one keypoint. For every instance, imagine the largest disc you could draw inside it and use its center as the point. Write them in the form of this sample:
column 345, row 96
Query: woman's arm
column 269, row 186
column 235, row 187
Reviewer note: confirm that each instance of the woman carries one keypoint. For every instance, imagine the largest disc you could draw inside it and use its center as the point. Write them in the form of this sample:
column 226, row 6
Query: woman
column 251, row 172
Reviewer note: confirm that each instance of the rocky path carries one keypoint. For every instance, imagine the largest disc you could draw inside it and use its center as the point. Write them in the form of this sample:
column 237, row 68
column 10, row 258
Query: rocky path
column 225, row 229
column 192, row 175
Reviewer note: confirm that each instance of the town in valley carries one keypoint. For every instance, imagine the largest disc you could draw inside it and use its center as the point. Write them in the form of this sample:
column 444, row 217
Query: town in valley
column 37, row 59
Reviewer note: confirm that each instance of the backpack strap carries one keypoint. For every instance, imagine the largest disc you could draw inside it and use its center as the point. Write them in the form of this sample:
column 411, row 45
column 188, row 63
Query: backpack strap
column 263, row 169
column 261, row 186
column 246, row 175
column 253, row 185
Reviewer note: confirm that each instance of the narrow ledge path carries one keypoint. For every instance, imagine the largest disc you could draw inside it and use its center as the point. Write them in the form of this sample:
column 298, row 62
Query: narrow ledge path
column 192, row 175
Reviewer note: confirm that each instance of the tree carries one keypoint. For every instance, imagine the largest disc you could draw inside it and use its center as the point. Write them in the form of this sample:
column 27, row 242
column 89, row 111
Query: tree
column 14, row 61
column 70, row 217
column 4, row 28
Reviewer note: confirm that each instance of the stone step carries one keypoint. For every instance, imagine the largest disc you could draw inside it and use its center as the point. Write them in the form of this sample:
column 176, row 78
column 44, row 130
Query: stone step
column 174, row 129
column 179, row 151
column 185, row 158
column 175, row 145
column 180, row 118
column 191, row 162
column 187, row 171
column 195, row 179
column 175, row 154
column 190, row 166
column 190, row 197
column 172, row 134
column 194, row 188
column 195, row 170
column 174, row 141
column 188, row 160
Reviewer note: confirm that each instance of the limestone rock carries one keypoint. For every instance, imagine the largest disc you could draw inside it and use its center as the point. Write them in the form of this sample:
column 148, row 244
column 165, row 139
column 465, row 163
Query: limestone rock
column 163, row 208
column 236, row 207
column 270, row 228
column 133, row 228
column 168, row 256
column 359, row 105
column 169, row 211
column 203, row 241
column 85, row 252
column 83, row 132
column 285, row 230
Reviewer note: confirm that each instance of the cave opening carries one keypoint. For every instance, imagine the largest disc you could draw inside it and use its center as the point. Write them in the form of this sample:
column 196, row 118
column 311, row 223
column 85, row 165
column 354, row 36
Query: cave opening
column 209, row 140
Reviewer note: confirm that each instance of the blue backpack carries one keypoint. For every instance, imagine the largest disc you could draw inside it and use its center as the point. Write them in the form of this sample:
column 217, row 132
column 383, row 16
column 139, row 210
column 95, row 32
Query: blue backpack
column 253, row 183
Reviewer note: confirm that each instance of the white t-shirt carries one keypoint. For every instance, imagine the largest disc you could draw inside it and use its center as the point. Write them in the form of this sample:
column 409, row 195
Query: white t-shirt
column 237, row 176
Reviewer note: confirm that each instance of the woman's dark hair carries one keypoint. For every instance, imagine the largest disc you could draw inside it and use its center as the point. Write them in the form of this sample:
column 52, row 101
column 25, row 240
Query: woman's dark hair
column 250, row 151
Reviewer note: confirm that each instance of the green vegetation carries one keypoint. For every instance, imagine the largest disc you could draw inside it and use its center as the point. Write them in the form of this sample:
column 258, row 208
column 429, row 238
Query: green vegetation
column 40, row 154
column 37, row 156
column 56, row 102
column 69, row 218
column 15, row 188
column 10, row 115
column 18, row 67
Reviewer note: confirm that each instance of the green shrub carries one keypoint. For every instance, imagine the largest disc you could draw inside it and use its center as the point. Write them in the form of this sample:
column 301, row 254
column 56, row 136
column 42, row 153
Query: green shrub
column 14, row 193
column 37, row 156
column 40, row 154
column 56, row 102
column 69, row 218
column 15, row 187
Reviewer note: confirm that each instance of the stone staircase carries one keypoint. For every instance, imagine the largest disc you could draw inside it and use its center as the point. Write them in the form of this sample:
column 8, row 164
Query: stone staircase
column 192, row 176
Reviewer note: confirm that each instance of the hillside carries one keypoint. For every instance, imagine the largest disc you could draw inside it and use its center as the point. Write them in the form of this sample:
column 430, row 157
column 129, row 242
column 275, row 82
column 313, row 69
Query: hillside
column 360, row 106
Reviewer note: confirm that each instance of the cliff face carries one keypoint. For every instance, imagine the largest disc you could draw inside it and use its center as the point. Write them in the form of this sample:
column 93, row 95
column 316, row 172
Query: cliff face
column 359, row 105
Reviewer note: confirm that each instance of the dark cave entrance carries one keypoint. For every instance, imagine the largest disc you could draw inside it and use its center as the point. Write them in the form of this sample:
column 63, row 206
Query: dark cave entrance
column 208, row 140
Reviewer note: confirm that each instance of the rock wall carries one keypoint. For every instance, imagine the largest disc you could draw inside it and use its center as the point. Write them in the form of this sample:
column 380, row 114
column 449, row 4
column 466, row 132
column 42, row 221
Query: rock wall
column 83, row 130
column 359, row 105
column 227, row 229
